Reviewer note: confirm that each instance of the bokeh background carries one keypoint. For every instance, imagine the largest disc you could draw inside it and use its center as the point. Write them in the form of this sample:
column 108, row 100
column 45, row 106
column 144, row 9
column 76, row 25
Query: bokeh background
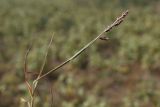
column 121, row 72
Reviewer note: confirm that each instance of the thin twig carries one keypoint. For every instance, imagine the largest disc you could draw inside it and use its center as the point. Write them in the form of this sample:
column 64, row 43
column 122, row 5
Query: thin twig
column 117, row 22
column 46, row 54
column 25, row 70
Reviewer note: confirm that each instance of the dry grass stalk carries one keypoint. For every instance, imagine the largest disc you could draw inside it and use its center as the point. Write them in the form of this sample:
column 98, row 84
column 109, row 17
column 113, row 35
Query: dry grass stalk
column 118, row 21
column 32, row 88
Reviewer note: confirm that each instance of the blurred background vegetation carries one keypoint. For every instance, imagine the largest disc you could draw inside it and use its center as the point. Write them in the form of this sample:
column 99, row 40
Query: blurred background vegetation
column 121, row 72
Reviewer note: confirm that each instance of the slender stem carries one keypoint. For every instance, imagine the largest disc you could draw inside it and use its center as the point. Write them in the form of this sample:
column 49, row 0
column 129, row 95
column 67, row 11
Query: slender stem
column 25, row 70
column 117, row 22
column 46, row 54
column 32, row 101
